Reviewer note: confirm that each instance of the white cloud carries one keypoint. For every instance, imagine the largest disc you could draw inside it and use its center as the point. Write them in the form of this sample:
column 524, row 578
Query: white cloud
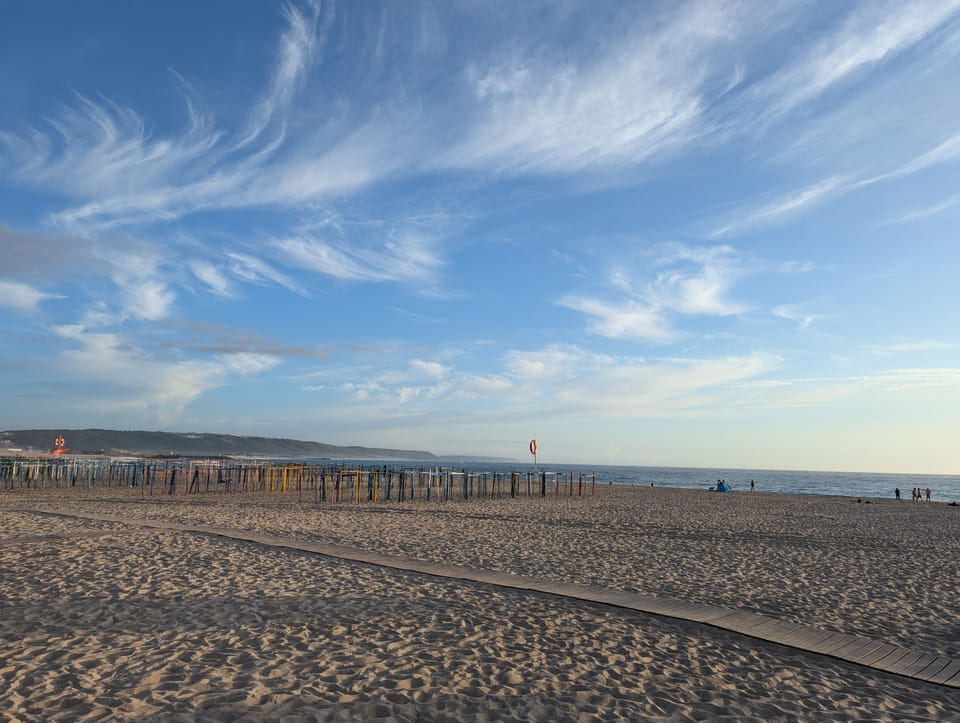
column 103, row 150
column 914, row 347
column 145, row 294
column 787, row 205
column 298, row 47
column 822, row 392
column 639, row 98
column 694, row 281
column 22, row 297
column 212, row 277
column 405, row 256
column 579, row 382
column 872, row 33
column 430, row 369
column 158, row 386
column 628, row 319
column 936, row 209
column 256, row 271
column 247, row 363
column 794, row 314
column 482, row 385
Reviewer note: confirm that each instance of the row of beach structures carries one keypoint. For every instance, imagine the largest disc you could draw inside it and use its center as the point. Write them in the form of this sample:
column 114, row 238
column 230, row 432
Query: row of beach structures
column 335, row 483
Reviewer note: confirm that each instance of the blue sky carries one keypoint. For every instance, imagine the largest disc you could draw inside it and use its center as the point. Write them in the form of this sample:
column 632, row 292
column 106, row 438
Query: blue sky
column 701, row 234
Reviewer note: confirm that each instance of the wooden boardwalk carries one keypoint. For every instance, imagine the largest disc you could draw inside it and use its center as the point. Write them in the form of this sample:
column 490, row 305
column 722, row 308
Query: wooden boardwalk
column 867, row 652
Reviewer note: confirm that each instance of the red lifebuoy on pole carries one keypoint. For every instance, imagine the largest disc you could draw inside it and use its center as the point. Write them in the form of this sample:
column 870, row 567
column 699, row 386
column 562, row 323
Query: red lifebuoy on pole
column 533, row 447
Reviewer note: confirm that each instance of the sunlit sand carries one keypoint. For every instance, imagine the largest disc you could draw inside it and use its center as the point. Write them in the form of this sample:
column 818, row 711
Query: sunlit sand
column 105, row 619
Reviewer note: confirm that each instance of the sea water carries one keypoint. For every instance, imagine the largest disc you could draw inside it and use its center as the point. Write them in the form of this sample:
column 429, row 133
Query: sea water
column 944, row 488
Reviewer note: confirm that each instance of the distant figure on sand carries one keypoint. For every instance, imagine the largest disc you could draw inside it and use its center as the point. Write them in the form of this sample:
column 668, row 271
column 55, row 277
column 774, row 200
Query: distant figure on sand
column 928, row 494
column 896, row 493
column 752, row 486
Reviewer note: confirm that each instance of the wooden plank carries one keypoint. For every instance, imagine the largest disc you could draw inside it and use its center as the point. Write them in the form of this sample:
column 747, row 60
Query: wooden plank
column 870, row 659
column 953, row 682
column 738, row 621
column 947, row 673
column 935, row 667
column 698, row 613
column 837, row 640
column 890, row 660
column 919, row 664
column 807, row 639
column 781, row 631
column 854, row 649
column 873, row 647
column 895, row 666
column 720, row 615
column 676, row 608
column 762, row 625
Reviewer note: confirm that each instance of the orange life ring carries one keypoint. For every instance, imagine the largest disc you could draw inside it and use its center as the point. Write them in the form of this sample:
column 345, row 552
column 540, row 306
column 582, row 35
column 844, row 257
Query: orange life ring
column 533, row 447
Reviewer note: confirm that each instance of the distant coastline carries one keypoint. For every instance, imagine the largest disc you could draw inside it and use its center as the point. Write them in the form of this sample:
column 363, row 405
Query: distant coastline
column 110, row 442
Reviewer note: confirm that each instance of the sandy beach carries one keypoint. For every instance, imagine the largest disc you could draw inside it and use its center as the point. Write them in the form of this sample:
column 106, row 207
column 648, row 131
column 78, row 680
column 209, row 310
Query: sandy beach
column 110, row 621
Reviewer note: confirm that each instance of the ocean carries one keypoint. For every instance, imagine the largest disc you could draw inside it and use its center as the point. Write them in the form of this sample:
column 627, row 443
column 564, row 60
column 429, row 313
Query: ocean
column 944, row 488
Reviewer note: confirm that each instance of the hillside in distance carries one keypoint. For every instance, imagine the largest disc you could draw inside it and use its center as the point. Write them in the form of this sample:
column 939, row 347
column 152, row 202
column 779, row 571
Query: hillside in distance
column 115, row 442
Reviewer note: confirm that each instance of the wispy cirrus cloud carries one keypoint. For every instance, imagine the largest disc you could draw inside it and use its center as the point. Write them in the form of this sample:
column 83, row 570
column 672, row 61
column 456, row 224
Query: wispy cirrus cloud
column 641, row 97
column 789, row 204
column 105, row 150
column 688, row 281
column 913, row 347
column 805, row 199
column 822, row 392
column 254, row 270
column 405, row 255
column 870, row 34
column 947, row 204
column 299, row 44
column 793, row 313
column 212, row 277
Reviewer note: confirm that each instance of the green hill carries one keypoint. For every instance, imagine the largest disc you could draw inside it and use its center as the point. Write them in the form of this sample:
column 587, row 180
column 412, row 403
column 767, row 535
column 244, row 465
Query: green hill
column 114, row 442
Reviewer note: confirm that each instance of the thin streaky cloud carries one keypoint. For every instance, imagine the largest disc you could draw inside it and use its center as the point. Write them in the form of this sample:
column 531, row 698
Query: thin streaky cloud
column 793, row 313
column 212, row 277
column 256, row 271
column 946, row 152
column 872, row 33
column 804, row 199
column 948, row 204
column 299, row 45
column 101, row 150
column 406, row 256
column 787, row 205
column 545, row 115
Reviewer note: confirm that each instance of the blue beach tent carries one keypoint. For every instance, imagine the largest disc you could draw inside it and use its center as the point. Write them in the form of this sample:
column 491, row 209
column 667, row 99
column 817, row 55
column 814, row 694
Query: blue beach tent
column 724, row 487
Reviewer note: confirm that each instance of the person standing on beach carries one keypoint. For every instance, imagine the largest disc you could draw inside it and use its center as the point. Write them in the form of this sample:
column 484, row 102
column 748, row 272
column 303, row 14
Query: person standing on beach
column 752, row 486
column 928, row 494
column 896, row 493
